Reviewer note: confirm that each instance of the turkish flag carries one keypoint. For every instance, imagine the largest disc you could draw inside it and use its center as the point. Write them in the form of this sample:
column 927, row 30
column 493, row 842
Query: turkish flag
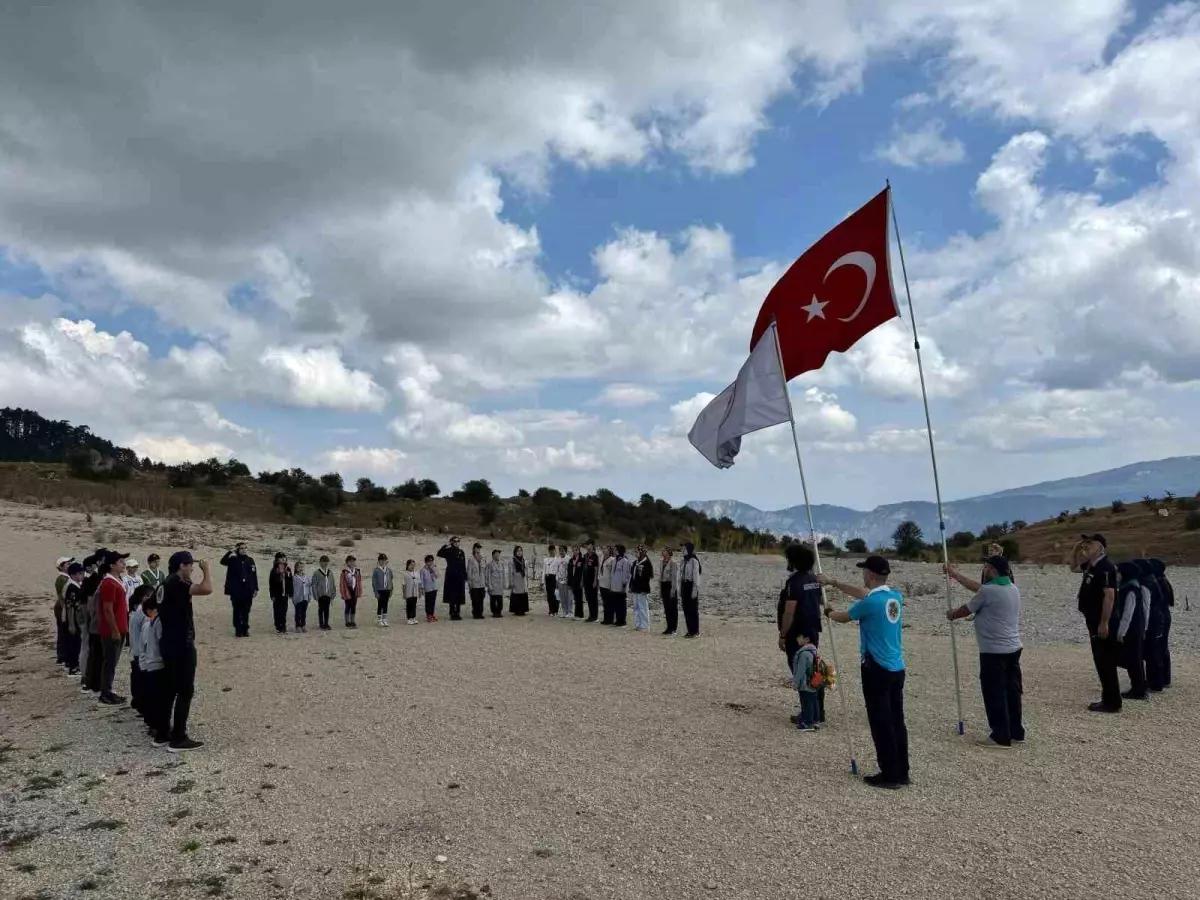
column 840, row 289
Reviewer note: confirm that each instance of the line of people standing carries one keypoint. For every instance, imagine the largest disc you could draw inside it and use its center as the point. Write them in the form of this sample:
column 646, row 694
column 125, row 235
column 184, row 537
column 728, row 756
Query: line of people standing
column 591, row 587
column 103, row 604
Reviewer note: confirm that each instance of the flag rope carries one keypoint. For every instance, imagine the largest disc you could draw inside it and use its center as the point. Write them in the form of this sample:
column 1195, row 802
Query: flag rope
column 812, row 530
column 933, row 458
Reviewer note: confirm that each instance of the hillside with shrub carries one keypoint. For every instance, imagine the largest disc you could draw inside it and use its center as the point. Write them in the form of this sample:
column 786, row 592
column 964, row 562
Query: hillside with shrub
column 52, row 463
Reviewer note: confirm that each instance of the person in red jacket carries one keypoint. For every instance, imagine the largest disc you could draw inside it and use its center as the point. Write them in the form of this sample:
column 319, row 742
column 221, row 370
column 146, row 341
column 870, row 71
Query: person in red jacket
column 113, row 608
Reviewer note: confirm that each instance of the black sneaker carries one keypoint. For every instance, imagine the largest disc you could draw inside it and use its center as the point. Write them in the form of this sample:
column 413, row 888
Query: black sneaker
column 111, row 700
column 160, row 742
column 184, row 745
column 695, row 635
column 1130, row 695
column 1100, row 707
column 878, row 781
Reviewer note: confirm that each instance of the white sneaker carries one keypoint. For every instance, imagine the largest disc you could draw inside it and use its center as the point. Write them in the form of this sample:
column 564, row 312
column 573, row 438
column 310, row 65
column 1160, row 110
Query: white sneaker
column 412, row 621
column 384, row 622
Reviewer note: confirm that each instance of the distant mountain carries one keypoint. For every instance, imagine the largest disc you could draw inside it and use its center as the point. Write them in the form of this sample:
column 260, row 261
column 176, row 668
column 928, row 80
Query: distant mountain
column 1180, row 475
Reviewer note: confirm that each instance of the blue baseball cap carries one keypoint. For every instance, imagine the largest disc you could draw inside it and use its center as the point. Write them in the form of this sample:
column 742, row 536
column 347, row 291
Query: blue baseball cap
column 182, row 558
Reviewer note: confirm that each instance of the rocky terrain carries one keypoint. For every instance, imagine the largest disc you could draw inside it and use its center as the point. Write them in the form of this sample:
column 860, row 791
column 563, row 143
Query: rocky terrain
column 537, row 758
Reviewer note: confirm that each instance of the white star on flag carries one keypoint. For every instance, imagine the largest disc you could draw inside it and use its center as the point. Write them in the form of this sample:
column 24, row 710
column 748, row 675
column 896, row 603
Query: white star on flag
column 815, row 309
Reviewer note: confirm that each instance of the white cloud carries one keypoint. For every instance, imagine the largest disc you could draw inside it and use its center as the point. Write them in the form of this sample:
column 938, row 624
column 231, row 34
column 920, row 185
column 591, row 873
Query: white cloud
column 923, row 145
column 1062, row 419
column 622, row 394
column 174, row 449
column 371, row 461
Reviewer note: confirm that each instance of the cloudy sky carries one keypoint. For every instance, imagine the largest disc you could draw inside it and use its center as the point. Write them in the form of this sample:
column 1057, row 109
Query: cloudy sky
column 527, row 240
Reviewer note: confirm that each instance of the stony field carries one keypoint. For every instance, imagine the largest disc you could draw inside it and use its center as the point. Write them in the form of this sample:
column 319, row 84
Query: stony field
column 536, row 758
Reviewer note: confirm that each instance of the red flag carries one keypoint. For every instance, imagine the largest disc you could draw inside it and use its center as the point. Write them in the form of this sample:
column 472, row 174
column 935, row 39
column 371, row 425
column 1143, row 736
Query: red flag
column 835, row 293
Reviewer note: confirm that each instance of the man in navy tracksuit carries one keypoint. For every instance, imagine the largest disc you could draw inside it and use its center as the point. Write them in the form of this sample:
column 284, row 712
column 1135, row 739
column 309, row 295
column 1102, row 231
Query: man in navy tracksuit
column 241, row 584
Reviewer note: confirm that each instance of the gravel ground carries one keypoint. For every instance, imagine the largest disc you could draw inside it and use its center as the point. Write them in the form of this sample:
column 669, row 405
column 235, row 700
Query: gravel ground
column 535, row 758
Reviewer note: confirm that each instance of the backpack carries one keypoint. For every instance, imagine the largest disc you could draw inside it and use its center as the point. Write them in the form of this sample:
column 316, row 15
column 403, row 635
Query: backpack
column 823, row 675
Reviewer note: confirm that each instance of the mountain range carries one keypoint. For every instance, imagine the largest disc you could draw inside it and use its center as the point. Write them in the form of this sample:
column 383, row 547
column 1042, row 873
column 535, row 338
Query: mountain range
column 1180, row 475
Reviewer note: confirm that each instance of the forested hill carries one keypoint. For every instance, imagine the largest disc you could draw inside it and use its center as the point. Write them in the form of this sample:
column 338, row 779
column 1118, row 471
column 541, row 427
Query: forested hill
column 56, row 463
column 26, row 436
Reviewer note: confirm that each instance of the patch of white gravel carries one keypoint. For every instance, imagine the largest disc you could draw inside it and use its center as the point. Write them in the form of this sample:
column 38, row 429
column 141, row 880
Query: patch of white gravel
column 551, row 760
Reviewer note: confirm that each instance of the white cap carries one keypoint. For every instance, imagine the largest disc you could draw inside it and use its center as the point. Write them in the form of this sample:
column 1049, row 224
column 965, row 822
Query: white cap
column 64, row 559
column 131, row 563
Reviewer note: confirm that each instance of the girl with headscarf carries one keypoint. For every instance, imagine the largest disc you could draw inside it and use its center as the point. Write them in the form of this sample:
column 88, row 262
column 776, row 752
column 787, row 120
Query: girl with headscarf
column 1130, row 613
column 518, row 597
column 689, row 590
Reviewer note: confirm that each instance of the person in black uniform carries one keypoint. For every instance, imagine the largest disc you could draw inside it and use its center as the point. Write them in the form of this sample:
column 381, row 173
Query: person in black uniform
column 454, row 592
column 1097, row 599
column 591, row 581
column 799, row 609
column 1158, row 655
column 178, row 648
column 241, row 586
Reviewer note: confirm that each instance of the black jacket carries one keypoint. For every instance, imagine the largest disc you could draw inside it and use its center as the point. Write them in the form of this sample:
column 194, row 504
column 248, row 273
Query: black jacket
column 241, row 575
column 456, row 562
column 641, row 576
column 280, row 583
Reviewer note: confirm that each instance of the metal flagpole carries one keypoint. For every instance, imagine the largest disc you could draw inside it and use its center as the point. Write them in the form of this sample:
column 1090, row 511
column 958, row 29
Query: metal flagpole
column 937, row 489
column 812, row 530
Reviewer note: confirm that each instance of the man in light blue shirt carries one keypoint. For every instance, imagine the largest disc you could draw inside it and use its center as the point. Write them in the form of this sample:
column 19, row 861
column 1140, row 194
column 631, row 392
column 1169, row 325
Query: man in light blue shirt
column 879, row 612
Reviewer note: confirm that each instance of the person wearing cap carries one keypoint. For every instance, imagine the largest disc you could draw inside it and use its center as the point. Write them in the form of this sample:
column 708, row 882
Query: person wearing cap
column 1097, row 598
column 177, row 647
column 241, row 586
column 454, row 593
column 74, row 610
column 60, row 627
column 152, row 575
column 996, row 605
column 476, row 565
column 131, row 579
column 878, row 612
column 113, row 607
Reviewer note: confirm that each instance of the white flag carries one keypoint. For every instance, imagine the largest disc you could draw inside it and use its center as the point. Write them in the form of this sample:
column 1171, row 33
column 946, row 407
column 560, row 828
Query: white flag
column 757, row 400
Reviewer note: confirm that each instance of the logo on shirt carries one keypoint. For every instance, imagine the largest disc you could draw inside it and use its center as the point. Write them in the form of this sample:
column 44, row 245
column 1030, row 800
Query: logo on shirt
column 893, row 610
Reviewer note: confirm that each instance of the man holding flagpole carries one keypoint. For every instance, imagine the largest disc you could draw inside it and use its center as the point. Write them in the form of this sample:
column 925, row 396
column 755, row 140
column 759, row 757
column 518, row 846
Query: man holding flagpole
column 878, row 613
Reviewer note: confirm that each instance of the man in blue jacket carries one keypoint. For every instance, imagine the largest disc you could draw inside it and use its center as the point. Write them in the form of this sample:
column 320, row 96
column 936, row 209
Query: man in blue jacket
column 241, row 584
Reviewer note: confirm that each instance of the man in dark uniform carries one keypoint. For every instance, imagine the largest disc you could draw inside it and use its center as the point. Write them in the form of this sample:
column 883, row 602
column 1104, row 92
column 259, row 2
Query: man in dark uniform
column 799, row 608
column 455, row 591
column 591, row 581
column 178, row 648
column 241, row 585
column 1097, row 597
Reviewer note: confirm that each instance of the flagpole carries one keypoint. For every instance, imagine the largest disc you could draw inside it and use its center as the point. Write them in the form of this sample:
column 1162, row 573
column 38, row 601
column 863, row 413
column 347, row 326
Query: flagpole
column 937, row 489
column 812, row 530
